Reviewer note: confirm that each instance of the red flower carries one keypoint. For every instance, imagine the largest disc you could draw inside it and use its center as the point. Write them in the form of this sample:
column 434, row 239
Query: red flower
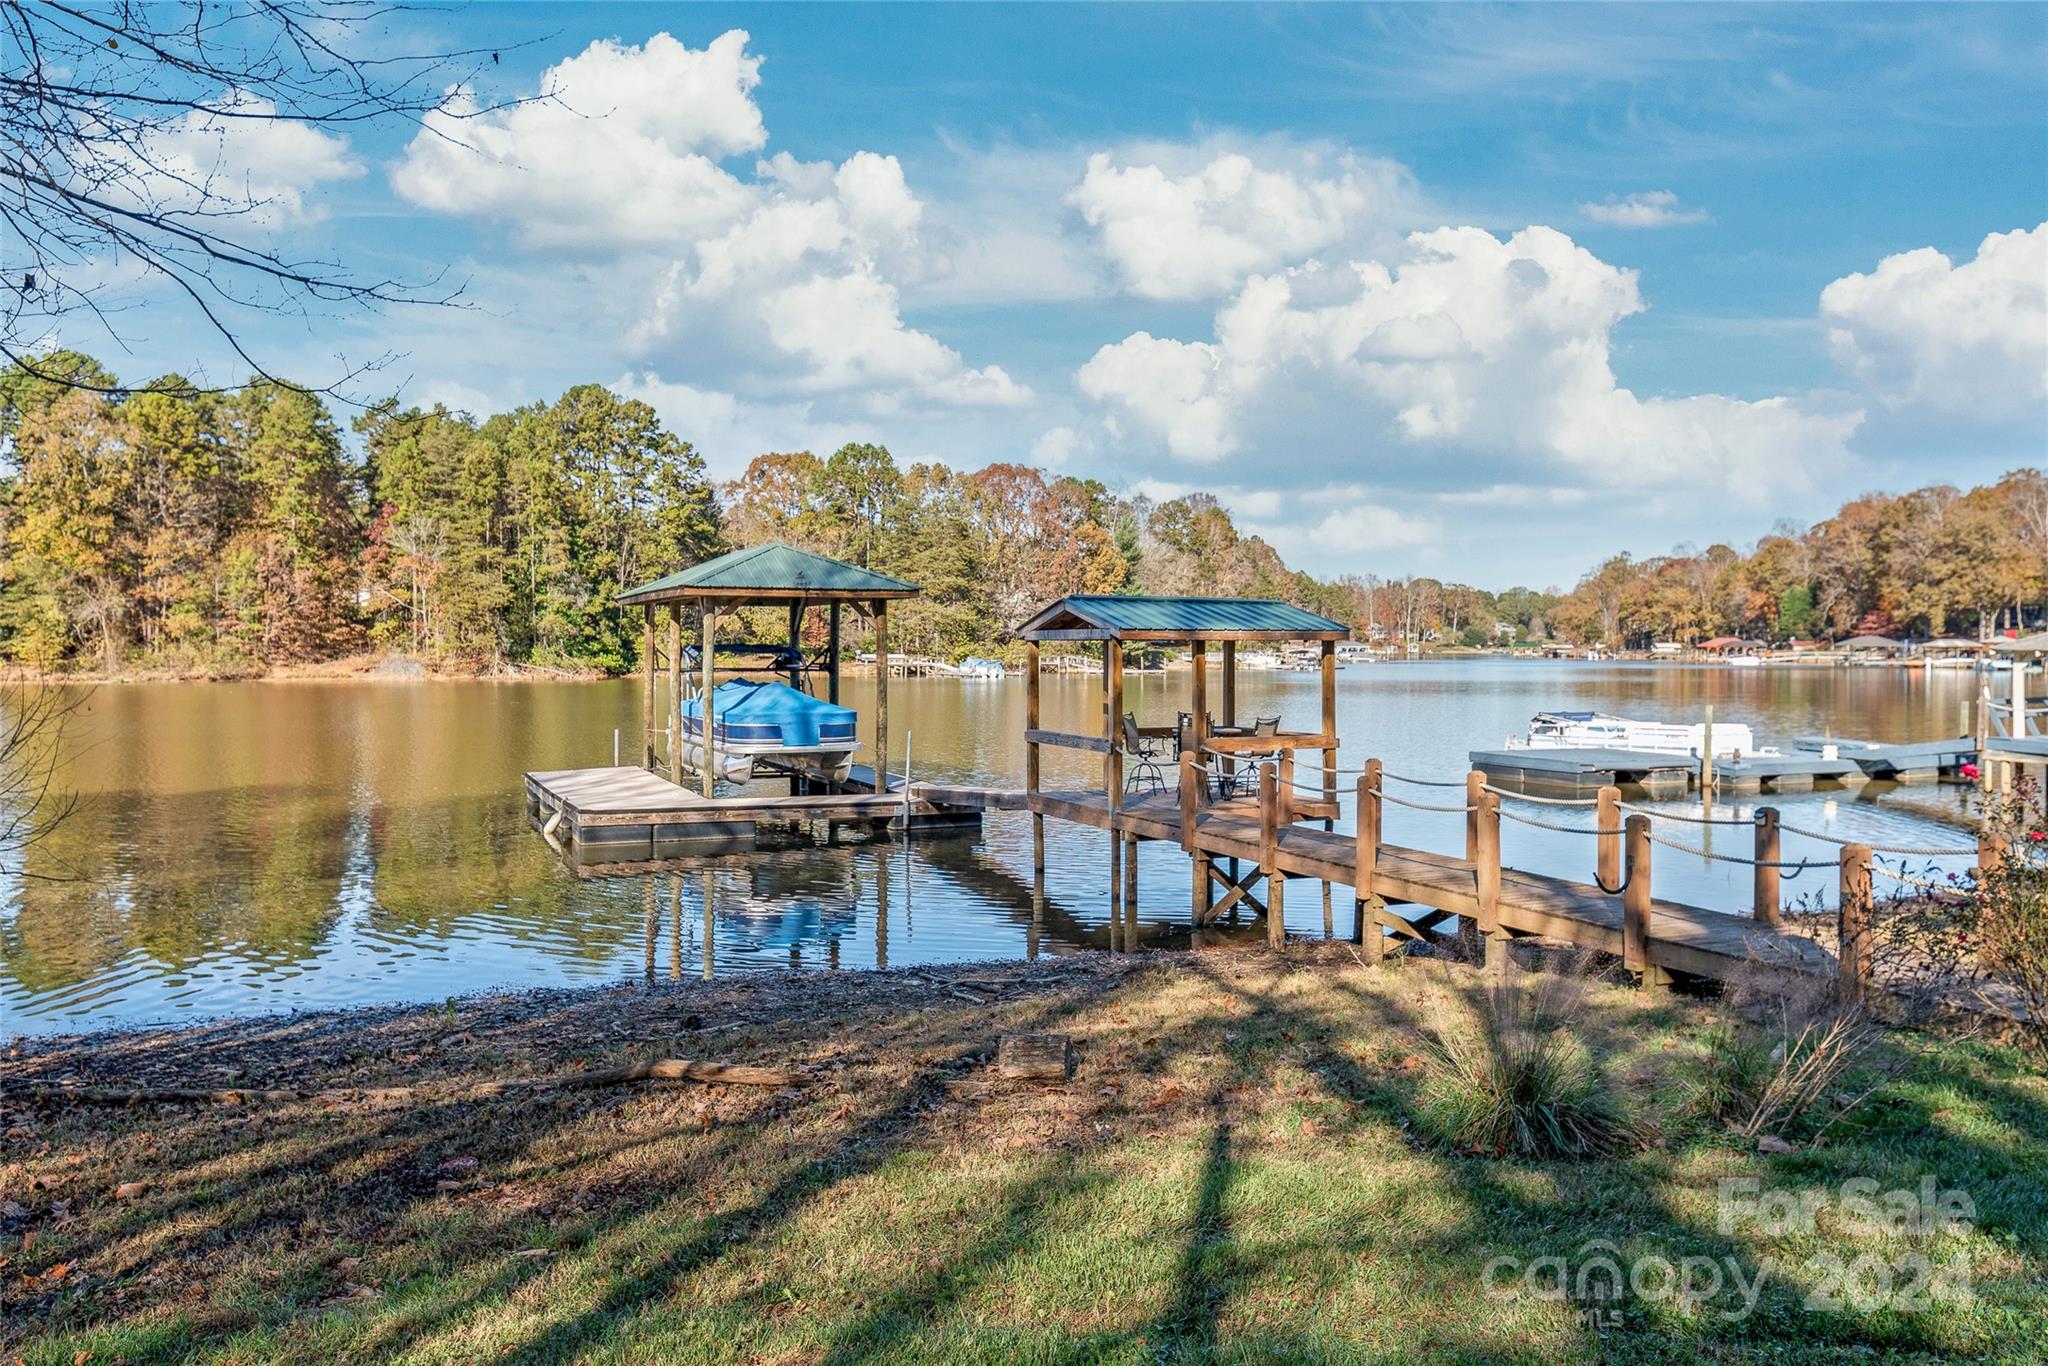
column 1969, row 770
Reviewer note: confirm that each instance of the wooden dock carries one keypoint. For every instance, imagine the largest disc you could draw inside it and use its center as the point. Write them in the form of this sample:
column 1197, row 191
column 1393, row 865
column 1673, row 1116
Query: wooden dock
column 1678, row 939
column 623, row 815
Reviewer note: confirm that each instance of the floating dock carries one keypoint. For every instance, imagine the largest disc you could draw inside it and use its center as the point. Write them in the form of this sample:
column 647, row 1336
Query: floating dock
column 1919, row 761
column 1583, row 772
column 628, row 815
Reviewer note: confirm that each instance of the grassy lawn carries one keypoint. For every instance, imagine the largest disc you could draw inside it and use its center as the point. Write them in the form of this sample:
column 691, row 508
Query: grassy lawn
column 1231, row 1173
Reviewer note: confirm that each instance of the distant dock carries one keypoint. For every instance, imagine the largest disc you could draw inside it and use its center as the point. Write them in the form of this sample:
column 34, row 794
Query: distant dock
column 1583, row 772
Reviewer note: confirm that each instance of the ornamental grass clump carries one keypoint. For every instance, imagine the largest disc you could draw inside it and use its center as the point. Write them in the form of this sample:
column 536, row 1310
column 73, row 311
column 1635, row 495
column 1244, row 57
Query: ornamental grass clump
column 1508, row 1075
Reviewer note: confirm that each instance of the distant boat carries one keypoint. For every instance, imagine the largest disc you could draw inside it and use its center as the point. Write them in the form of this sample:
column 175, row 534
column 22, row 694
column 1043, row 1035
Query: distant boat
column 753, row 720
column 1258, row 659
column 1598, row 730
column 981, row 668
column 1744, row 661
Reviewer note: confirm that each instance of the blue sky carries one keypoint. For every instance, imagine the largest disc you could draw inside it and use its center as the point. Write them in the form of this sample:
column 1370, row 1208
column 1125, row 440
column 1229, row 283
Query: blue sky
column 1473, row 291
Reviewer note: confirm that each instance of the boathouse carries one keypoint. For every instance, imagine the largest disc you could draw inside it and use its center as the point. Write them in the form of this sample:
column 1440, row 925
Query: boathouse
column 775, row 576
column 1117, row 621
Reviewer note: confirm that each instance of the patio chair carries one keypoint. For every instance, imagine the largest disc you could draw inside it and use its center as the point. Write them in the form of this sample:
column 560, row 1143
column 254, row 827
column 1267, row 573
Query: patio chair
column 1144, row 757
column 1244, row 780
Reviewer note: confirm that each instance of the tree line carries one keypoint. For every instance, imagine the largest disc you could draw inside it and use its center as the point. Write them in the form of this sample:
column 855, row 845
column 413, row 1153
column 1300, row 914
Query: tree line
column 186, row 530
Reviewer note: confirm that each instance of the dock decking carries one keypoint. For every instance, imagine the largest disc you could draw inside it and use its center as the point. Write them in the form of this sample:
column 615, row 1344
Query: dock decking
column 1693, row 940
column 619, row 815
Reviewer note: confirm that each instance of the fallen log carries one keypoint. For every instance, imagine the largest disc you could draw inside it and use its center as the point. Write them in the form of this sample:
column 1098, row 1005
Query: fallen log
column 664, row 1069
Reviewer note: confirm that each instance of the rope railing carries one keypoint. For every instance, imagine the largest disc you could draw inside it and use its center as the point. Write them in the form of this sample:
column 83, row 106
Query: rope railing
column 1425, row 806
column 1908, row 850
column 1657, row 813
column 1419, row 782
column 1551, row 825
column 1541, row 801
column 1798, row 865
column 1927, row 884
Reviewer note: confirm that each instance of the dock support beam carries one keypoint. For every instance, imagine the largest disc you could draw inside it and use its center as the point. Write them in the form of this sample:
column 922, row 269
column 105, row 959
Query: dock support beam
column 1113, row 760
column 1852, row 922
column 1635, row 905
column 707, row 737
column 1607, row 816
column 1031, row 759
column 881, row 695
column 647, row 693
column 1768, row 846
column 1269, row 857
column 675, row 693
column 1365, row 923
column 832, row 657
column 1486, row 883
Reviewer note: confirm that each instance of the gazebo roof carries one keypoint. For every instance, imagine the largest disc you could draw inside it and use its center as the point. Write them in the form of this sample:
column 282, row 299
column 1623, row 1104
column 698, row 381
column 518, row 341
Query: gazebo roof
column 1092, row 616
column 770, row 573
column 1868, row 643
column 2034, row 644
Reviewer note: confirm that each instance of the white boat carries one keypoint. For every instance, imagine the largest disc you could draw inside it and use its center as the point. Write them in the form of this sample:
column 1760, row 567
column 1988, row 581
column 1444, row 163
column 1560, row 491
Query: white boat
column 981, row 668
column 1258, row 659
column 752, row 720
column 1744, row 661
column 1598, row 730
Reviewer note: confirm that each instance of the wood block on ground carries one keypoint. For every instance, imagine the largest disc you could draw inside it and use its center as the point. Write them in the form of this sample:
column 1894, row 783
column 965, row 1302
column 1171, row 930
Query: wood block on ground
column 1032, row 1057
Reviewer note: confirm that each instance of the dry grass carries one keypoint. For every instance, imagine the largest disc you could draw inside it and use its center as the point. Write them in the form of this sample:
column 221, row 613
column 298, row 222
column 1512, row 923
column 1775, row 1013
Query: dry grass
column 1229, row 1174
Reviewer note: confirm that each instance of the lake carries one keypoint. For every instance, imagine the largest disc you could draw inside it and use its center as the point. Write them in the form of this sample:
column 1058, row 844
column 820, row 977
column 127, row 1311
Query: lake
column 246, row 848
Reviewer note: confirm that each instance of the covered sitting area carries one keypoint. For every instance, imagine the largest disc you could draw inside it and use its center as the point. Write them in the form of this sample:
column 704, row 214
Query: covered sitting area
column 1154, row 762
column 776, row 576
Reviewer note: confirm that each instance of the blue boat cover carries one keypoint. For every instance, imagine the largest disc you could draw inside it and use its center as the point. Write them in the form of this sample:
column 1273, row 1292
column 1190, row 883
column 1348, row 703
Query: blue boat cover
column 772, row 713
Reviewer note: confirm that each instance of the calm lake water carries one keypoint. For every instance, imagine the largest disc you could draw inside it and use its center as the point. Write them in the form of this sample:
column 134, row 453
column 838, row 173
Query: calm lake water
column 253, row 848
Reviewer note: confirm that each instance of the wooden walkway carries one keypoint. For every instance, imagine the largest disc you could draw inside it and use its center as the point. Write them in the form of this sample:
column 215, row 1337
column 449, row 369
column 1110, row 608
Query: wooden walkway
column 1692, row 940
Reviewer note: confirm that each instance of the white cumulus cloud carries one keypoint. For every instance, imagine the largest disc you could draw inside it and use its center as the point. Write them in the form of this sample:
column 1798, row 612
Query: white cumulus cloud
column 1970, row 339
column 1645, row 209
column 1469, row 347
column 1197, row 232
column 785, row 282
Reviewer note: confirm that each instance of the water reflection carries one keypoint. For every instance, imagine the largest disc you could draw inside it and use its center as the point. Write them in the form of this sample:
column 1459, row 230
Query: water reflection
column 258, row 847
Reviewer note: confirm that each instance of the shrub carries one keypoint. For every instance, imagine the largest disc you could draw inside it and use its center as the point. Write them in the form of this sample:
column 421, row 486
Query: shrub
column 2012, row 911
column 1508, row 1076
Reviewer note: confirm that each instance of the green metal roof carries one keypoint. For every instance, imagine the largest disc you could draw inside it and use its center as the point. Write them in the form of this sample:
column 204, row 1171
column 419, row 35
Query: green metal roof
column 1113, row 616
column 773, row 571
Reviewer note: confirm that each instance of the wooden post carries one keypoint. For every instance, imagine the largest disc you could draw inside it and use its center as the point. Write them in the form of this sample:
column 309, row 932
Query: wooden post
column 647, row 698
column 707, row 742
column 1707, row 755
column 1607, row 816
column 1113, row 760
column 1131, row 889
column 1475, row 797
column 796, row 645
column 1113, row 722
column 1765, row 910
column 1284, row 786
column 1198, row 695
column 881, row 695
column 675, row 693
column 1330, row 720
column 1190, row 810
column 1984, row 737
column 1486, row 883
column 1993, row 845
column 1031, row 757
column 1365, row 919
column 1228, row 708
column 1269, row 856
column 1635, row 902
column 1852, row 922
column 832, row 656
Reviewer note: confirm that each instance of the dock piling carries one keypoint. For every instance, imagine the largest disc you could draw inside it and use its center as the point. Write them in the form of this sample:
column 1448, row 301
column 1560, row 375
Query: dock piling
column 1768, row 844
column 1635, row 903
column 1607, row 816
column 1852, row 922
column 1269, row 857
column 1486, row 882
